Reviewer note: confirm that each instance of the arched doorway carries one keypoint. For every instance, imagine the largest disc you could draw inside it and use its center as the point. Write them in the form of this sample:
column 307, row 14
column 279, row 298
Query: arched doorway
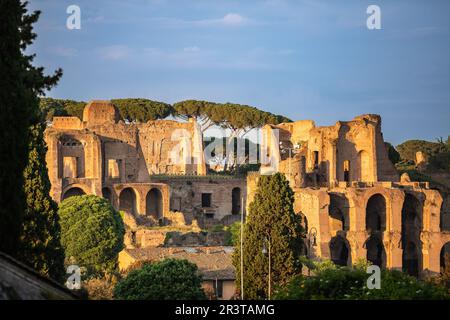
column 445, row 257
column 376, row 214
column 339, row 251
column 106, row 193
column 410, row 259
column 236, row 201
column 73, row 192
column 411, row 229
column 127, row 201
column 338, row 213
column 154, row 204
column 346, row 171
column 375, row 251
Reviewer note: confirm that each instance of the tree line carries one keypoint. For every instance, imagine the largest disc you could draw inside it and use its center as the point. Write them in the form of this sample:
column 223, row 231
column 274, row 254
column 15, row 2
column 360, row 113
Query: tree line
column 235, row 117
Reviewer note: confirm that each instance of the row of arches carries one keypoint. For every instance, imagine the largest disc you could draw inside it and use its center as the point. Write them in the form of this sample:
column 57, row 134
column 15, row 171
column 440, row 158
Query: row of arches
column 127, row 200
column 376, row 254
column 375, row 222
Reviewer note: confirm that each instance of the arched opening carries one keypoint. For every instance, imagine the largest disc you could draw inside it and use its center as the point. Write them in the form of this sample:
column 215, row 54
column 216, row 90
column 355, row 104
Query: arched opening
column 71, row 158
column 445, row 258
column 444, row 222
column 375, row 251
column 365, row 167
column 337, row 221
column 338, row 213
column 154, row 204
column 106, row 193
column 316, row 160
column 236, row 201
column 73, row 192
column 127, row 201
column 411, row 229
column 339, row 251
column 410, row 259
column 376, row 214
column 347, row 171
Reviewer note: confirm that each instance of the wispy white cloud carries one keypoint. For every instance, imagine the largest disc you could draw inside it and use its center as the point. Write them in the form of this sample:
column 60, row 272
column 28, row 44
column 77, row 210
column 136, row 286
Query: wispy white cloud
column 191, row 49
column 115, row 52
column 228, row 20
column 63, row 51
column 193, row 57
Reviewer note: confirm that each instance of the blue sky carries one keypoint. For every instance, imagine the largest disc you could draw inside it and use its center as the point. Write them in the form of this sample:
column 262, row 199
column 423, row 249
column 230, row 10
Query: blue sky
column 302, row 58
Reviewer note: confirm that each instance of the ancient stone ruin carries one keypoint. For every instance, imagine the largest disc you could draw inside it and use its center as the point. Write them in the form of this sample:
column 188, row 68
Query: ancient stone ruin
column 346, row 188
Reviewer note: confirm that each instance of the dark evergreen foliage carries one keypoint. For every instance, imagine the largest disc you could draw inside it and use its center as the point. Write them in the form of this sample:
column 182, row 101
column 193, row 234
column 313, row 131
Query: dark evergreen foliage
column 271, row 218
column 20, row 85
column 40, row 245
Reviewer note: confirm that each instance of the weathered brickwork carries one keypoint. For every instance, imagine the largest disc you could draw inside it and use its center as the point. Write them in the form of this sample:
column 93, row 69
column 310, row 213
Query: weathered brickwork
column 352, row 199
column 354, row 203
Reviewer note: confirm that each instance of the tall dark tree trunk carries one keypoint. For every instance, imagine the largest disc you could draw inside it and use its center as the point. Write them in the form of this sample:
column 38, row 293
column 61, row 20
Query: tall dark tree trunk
column 20, row 85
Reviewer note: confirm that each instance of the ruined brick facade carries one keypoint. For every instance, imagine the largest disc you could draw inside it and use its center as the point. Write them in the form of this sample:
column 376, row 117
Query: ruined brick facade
column 147, row 169
column 353, row 201
column 350, row 194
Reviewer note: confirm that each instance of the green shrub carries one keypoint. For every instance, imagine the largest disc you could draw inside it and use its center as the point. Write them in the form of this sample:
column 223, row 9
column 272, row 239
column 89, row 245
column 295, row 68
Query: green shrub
column 91, row 233
column 331, row 282
column 170, row 279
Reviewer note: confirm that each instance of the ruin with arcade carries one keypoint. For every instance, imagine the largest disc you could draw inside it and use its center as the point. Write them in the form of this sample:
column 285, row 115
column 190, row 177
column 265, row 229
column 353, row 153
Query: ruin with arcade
column 352, row 199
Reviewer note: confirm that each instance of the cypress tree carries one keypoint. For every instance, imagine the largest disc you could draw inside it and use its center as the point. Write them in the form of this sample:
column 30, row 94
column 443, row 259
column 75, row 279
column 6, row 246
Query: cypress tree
column 20, row 85
column 40, row 246
column 271, row 218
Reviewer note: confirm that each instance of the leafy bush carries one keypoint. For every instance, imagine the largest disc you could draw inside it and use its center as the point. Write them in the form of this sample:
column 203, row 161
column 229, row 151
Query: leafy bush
column 393, row 154
column 332, row 282
column 91, row 233
column 409, row 148
column 170, row 279
column 100, row 288
column 440, row 161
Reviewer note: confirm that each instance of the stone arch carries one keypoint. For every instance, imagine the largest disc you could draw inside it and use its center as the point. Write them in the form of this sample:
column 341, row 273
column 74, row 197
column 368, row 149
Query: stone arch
column 340, row 251
column 128, row 201
column 346, row 170
column 154, row 203
column 412, row 225
column 444, row 221
column 338, row 213
column 376, row 213
column 410, row 259
column 376, row 253
column 444, row 257
column 73, row 191
column 365, row 166
column 107, row 194
column 236, row 201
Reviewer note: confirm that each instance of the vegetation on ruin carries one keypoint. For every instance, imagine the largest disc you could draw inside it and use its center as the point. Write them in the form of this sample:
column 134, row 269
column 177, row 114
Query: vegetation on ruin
column 142, row 110
column 331, row 282
column 21, row 83
column 51, row 107
column 232, row 116
column 444, row 278
column 169, row 279
column 438, row 153
column 271, row 219
column 40, row 245
column 92, row 233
